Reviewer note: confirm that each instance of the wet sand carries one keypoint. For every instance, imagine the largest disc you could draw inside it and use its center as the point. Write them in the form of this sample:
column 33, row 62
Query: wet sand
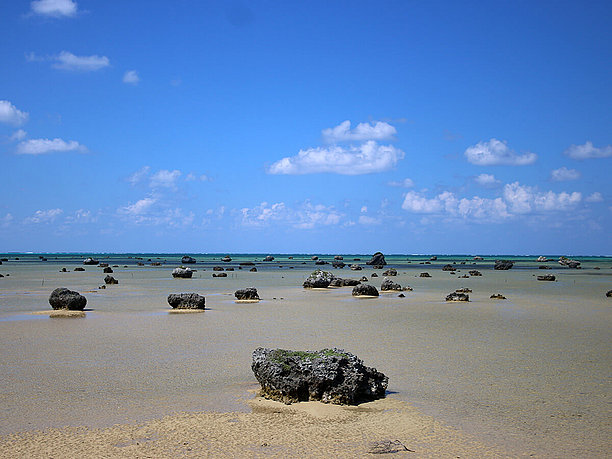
column 526, row 375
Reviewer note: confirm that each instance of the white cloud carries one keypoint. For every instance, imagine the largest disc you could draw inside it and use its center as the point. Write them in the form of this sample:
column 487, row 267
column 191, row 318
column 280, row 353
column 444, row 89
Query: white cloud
column 165, row 179
column 11, row 115
column 364, row 209
column 191, row 177
column 415, row 202
column 306, row 216
column 364, row 159
column 595, row 197
column 139, row 207
column 446, row 202
column 525, row 199
column 564, row 174
column 588, row 151
column 68, row 61
column 81, row 216
column 486, row 180
column 44, row 146
column 44, row 216
column 6, row 220
column 263, row 213
column 19, row 134
column 139, row 175
column 363, row 131
column 495, row 152
column 311, row 216
column 406, row 183
column 131, row 77
column 54, row 8
column 365, row 220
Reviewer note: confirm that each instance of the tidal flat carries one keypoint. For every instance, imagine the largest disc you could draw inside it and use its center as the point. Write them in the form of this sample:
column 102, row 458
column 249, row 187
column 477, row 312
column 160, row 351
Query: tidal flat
column 526, row 375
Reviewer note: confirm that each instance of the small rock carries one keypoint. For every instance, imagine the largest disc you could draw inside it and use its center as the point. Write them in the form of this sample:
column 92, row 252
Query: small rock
column 390, row 272
column 350, row 282
column 547, row 277
column 363, row 279
column 424, row 275
column 401, row 295
column 503, row 265
column 464, row 290
column 497, row 296
column 448, row 268
column 365, row 290
column 109, row 280
column 609, row 293
column 318, row 279
column 338, row 264
column 187, row 260
column 103, row 265
column 229, row 269
column 217, row 268
column 249, row 293
column 226, row 259
column 388, row 284
column 314, row 257
column 182, row 272
column 374, row 275
column 475, row 273
column 219, row 275
column 356, row 268
column 90, row 261
column 457, row 297
column 269, row 258
column 108, row 270
column 78, row 268
column 253, row 270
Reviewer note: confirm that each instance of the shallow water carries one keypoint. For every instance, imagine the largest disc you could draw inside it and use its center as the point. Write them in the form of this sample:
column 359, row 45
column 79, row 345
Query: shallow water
column 530, row 373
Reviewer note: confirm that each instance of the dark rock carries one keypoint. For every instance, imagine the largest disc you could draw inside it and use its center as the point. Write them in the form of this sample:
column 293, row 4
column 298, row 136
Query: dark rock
column 547, row 277
column 465, row 276
column 542, row 259
column 478, row 258
column 253, row 270
column 338, row 264
column 140, row 263
column 318, row 279
column 377, row 266
column 90, row 261
column 182, row 272
column 350, row 282
column 464, row 290
column 434, row 258
column 365, row 290
column 247, row 263
column 388, row 284
column 187, row 260
column 448, row 268
column 3, row 259
column 108, row 270
column 186, row 301
column 390, row 272
column 497, row 296
column 374, row 275
column 337, row 282
column 475, row 273
column 229, row 269
column 314, row 257
column 321, row 262
column 401, row 295
column 226, row 259
column 78, row 268
column 609, row 293
column 356, row 268
column 544, row 267
column 363, row 279
column 62, row 298
column 110, row 280
column 457, row 297
column 249, row 293
column 377, row 259
column 564, row 261
column 217, row 268
column 269, row 258
column 156, row 263
column 329, row 375
column 64, row 270
column 503, row 265
column 102, row 287
column 103, row 265
column 424, row 275
column 219, row 275
column 338, row 257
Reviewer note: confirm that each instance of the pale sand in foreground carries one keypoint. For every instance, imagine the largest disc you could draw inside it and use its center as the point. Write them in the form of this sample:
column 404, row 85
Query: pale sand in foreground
column 272, row 429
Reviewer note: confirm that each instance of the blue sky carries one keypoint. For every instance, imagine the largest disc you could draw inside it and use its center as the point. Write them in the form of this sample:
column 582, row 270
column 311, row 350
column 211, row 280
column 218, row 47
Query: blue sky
column 407, row 127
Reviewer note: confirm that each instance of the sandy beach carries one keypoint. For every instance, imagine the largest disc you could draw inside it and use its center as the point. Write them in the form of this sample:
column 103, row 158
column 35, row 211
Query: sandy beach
column 526, row 376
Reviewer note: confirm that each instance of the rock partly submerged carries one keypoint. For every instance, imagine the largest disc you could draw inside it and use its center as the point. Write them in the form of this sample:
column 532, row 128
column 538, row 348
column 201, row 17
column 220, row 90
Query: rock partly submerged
column 457, row 296
column 182, row 272
column 503, row 265
column 330, row 376
column 365, row 290
column 186, row 301
column 186, row 260
column 247, row 294
column 547, row 277
column 378, row 259
column 318, row 279
column 62, row 298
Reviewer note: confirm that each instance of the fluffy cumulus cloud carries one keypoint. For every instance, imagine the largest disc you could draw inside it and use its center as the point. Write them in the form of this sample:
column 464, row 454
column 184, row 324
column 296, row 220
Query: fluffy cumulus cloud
column 131, row 77
column 523, row 199
column 44, row 216
column 497, row 153
column 563, row 174
column 487, row 180
column 139, row 208
column 11, row 115
column 45, row 146
column 362, row 132
column 588, row 151
column 54, row 8
column 595, row 197
column 165, row 179
column 19, row 134
column 366, row 220
column 366, row 158
column 304, row 216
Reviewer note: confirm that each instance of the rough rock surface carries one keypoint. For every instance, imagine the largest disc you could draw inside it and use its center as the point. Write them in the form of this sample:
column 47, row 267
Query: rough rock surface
column 388, row 284
column 219, row 275
column 475, row 273
column 547, row 277
column 542, row 259
column 90, row 261
column 424, row 275
column 249, row 293
column 78, row 268
column 269, row 258
column 448, row 268
column 609, row 293
column 503, row 265
column 62, row 298
column 464, row 290
column 182, row 272
column 365, row 290
column 253, row 270
column 226, row 259
column 374, row 275
column 187, row 260
column 108, row 270
column 497, row 296
column 186, row 301
column 318, row 279
column 217, row 268
column 390, row 272
column 457, row 297
column 110, row 280
column 378, row 259
column 356, row 268
column 564, row 261
column 329, row 375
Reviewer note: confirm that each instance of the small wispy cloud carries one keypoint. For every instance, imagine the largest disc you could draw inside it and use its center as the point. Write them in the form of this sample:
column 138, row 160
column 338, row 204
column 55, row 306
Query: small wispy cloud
column 131, row 77
column 11, row 115
column 563, row 174
column 165, row 179
column 65, row 60
column 406, row 183
column 588, row 151
column 19, row 134
column 54, row 8
column 497, row 153
column 379, row 130
column 44, row 216
column 595, row 197
column 45, row 146
column 487, row 180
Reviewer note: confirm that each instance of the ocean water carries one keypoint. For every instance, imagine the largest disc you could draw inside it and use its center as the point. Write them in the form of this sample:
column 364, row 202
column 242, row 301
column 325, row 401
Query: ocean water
column 531, row 373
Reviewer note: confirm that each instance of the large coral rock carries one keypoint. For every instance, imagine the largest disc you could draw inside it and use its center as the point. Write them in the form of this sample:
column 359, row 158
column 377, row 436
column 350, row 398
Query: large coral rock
column 365, row 290
column 378, row 259
column 503, row 265
column 186, row 301
column 388, row 284
column 249, row 293
column 329, row 375
column 62, row 298
column 182, row 272
column 188, row 260
column 318, row 279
